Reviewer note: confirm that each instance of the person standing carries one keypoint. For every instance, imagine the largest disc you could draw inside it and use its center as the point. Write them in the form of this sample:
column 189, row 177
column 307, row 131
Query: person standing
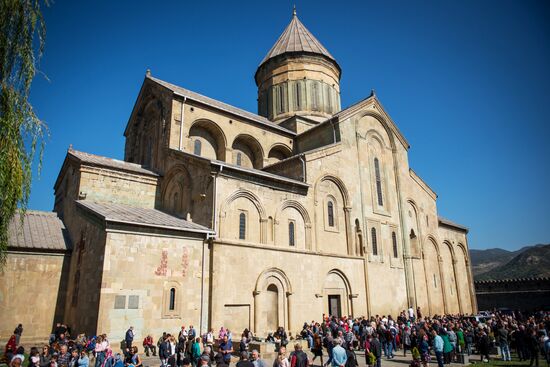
column 339, row 357
column 129, row 338
column 226, row 348
column 299, row 358
column 533, row 347
column 17, row 332
column 256, row 360
column 502, row 338
column 438, row 348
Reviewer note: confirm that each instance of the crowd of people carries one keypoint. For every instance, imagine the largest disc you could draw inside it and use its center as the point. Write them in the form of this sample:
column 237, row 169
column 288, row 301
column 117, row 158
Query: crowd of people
column 442, row 338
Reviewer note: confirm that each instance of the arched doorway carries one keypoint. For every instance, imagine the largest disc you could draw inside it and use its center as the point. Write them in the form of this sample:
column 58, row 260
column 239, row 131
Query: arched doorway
column 336, row 292
column 272, row 307
column 271, row 302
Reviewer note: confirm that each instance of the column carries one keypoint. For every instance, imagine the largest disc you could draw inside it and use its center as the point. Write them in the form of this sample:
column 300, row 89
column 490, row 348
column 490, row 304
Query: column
column 458, row 296
column 443, row 287
column 289, row 312
column 256, row 311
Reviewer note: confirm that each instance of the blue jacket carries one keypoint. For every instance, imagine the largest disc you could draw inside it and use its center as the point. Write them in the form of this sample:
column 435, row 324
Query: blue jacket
column 438, row 344
column 339, row 356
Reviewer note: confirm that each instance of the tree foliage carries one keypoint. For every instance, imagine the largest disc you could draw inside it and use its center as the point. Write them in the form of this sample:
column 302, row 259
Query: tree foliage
column 22, row 133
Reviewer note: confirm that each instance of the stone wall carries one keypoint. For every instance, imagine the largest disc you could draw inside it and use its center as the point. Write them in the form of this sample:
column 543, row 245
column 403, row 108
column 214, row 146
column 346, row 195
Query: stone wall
column 139, row 271
column 280, row 287
column 104, row 185
column 32, row 293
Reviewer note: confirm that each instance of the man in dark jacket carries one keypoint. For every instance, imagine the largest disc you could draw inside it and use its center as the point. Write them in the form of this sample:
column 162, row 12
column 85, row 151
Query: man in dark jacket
column 129, row 338
column 376, row 349
column 298, row 358
column 533, row 347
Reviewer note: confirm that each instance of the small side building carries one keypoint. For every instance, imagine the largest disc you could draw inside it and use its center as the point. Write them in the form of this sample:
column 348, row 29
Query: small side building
column 33, row 282
column 524, row 294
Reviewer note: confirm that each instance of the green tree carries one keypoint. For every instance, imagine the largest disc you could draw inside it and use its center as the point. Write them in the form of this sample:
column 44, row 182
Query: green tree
column 22, row 133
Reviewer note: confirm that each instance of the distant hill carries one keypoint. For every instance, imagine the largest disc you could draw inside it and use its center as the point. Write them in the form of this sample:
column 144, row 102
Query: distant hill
column 529, row 261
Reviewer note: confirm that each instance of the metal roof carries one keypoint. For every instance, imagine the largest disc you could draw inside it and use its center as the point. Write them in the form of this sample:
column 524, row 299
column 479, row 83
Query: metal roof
column 98, row 160
column 39, row 231
column 220, row 105
column 126, row 214
column 449, row 223
column 297, row 38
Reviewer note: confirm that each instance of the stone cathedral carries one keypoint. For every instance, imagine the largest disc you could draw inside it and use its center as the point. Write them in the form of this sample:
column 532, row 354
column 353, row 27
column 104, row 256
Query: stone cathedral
column 219, row 216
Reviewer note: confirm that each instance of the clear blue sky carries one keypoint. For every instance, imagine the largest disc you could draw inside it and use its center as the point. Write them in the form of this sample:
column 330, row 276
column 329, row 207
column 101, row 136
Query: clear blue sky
column 467, row 82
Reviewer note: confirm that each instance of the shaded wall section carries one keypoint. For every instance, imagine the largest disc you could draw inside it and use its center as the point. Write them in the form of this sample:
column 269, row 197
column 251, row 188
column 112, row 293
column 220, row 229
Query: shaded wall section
column 526, row 294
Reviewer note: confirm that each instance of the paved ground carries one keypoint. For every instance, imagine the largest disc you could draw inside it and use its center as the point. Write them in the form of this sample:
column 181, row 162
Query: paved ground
column 398, row 361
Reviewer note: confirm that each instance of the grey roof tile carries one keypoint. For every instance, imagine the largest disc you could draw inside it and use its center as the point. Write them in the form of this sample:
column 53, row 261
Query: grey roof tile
column 39, row 231
column 297, row 38
column 449, row 223
column 120, row 213
column 98, row 160
column 220, row 105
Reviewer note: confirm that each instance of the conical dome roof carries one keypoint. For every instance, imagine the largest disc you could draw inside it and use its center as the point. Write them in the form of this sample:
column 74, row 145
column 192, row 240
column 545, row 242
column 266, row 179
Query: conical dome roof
column 297, row 38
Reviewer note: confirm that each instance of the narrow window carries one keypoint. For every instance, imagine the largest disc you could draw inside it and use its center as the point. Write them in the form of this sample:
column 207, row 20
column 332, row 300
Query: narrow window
column 242, row 226
column 197, row 147
column 172, row 305
column 435, row 282
column 314, row 96
column 329, row 99
column 378, row 181
column 279, row 99
column 330, row 214
column 374, row 243
column 394, row 242
column 291, row 233
column 239, row 159
column 298, row 95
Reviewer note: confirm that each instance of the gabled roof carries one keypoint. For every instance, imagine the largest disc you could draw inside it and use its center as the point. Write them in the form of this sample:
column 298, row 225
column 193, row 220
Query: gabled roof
column 220, row 105
column 40, row 231
column 126, row 214
column 296, row 38
column 98, row 160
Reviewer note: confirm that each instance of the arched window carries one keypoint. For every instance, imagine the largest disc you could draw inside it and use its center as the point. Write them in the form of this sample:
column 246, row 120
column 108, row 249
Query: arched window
column 374, row 243
column 172, row 303
column 378, row 181
column 291, row 234
column 239, row 159
column 330, row 214
column 197, row 147
column 242, row 226
column 394, row 243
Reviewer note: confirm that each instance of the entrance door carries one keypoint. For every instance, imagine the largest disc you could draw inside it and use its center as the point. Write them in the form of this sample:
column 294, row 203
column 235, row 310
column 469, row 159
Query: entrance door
column 334, row 306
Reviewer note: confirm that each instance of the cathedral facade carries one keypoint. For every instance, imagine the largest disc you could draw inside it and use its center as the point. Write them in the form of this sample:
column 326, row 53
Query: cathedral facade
column 218, row 216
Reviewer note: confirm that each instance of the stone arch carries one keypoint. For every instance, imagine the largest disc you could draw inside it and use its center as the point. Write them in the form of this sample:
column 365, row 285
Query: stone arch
column 265, row 306
column 176, row 191
column 278, row 152
column 305, row 216
column 338, row 182
column 252, row 153
column 448, row 271
column 413, row 234
column 382, row 121
column 337, row 293
column 337, row 239
column 212, row 138
column 432, row 272
column 250, row 196
column 462, row 272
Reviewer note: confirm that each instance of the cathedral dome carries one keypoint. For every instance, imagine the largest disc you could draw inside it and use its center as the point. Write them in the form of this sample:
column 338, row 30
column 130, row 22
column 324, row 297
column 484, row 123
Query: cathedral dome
column 298, row 76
